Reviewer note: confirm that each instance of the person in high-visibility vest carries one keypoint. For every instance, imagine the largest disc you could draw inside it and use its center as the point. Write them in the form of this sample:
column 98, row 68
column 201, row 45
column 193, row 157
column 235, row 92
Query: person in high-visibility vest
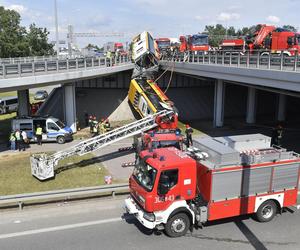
column 38, row 134
column 12, row 140
column 107, row 125
column 95, row 125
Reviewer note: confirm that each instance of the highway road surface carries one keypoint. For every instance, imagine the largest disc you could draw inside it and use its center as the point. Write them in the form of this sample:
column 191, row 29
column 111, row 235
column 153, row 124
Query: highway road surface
column 101, row 224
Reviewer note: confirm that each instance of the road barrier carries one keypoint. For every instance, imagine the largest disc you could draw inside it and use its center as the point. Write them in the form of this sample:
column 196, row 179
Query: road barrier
column 66, row 194
column 255, row 59
column 58, row 65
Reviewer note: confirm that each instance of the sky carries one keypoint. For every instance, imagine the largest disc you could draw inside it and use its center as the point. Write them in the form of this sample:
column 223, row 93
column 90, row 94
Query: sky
column 163, row 18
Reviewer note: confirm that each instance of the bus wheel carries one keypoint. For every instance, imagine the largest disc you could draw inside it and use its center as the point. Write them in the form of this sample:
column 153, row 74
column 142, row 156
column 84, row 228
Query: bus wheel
column 61, row 140
column 266, row 211
column 178, row 225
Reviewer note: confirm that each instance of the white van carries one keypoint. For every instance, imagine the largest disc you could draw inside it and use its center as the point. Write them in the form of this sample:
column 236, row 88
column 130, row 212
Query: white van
column 53, row 129
column 8, row 105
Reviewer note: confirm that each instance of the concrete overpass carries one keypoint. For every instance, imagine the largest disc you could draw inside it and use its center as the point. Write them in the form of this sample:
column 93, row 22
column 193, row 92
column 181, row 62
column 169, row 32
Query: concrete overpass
column 280, row 74
column 26, row 74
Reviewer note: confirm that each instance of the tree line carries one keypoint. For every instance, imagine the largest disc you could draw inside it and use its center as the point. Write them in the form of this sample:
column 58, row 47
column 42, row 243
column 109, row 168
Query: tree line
column 218, row 32
column 17, row 41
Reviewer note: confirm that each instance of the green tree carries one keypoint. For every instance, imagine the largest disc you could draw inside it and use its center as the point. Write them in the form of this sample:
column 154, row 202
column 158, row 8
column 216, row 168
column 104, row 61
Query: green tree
column 12, row 43
column 216, row 34
column 290, row 28
column 92, row 46
column 37, row 40
column 15, row 41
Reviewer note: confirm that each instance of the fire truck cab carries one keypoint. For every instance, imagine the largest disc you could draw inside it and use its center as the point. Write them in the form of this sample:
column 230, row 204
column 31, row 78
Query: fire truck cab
column 217, row 178
column 197, row 43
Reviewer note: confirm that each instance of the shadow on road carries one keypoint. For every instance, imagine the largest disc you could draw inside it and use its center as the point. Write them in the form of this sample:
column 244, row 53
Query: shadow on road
column 84, row 163
column 131, row 220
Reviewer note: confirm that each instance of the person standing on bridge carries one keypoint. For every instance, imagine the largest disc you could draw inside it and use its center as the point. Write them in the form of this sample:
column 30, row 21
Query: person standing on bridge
column 188, row 131
column 39, row 134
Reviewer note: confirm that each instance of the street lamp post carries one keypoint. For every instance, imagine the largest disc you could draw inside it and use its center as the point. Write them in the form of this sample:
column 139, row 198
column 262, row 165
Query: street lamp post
column 56, row 27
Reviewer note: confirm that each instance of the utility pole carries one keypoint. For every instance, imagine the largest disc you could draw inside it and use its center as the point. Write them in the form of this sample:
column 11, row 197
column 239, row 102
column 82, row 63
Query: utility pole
column 56, row 27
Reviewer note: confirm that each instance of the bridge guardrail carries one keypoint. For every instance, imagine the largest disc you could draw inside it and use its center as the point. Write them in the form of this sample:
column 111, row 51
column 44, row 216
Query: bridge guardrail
column 256, row 59
column 23, row 69
column 28, row 59
column 20, row 199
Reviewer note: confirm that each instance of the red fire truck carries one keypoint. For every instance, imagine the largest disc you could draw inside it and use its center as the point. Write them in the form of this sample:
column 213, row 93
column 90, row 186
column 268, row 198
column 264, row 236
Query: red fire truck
column 194, row 43
column 217, row 178
column 163, row 44
column 266, row 38
column 233, row 45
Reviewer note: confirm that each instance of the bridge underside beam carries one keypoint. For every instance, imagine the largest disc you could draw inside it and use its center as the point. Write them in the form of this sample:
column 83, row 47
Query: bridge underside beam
column 251, row 106
column 285, row 80
column 23, row 102
column 219, row 103
column 70, row 106
column 281, row 108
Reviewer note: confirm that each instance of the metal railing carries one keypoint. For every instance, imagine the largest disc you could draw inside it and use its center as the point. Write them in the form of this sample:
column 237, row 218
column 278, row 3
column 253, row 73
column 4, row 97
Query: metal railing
column 66, row 194
column 23, row 69
column 255, row 59
column 13, row 60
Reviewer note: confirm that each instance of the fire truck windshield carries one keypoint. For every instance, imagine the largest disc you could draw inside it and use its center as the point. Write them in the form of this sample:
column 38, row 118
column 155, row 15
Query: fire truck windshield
column 144, row 174
column 163, row 44
column 298, row 39
column 164, row 144
column 197, row 40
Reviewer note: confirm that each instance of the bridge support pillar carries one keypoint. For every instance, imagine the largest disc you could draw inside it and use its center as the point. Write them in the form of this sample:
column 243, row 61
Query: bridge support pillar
column 219, row 103
column 281, row 108
column 23, row 102
column 70, row 106
column 251, row 106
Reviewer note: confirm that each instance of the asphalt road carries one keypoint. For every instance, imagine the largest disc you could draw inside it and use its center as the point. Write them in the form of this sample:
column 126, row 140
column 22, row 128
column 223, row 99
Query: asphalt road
column 101, row 224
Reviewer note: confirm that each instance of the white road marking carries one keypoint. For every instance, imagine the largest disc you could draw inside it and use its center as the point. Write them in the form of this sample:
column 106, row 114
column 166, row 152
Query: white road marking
column 59, row 228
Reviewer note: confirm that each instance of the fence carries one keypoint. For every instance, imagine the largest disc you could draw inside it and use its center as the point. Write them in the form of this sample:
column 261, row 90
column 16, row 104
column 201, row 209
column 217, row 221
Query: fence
column 255, row 59
column 50, row 66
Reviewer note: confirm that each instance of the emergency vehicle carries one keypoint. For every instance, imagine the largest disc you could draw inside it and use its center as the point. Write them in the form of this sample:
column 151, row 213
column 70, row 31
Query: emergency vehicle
column 53, row 128
column 197, row 43
column 218, row 178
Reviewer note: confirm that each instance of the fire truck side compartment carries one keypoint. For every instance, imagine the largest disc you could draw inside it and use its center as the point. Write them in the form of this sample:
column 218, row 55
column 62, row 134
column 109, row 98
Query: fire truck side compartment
column 231, row 187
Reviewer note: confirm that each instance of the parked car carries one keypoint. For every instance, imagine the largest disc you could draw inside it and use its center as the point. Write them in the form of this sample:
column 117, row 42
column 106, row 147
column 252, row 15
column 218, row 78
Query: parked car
column 41, row 95
column 8, row 104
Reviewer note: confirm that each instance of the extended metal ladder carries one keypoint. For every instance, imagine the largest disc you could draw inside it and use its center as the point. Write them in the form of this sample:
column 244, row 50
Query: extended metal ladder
column 43, row 166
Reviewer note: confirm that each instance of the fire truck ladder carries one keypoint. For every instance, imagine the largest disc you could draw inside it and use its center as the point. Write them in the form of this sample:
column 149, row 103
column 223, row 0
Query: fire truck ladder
column 43, row 166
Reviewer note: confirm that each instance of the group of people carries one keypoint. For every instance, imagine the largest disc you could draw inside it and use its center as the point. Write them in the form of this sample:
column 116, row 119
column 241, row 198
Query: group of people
column 18, row 140
column 98, row 127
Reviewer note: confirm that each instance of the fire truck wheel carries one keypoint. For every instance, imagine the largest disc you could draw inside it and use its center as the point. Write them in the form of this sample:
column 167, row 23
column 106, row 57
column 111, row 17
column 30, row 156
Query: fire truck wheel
column 266, row 211
column 178, row 225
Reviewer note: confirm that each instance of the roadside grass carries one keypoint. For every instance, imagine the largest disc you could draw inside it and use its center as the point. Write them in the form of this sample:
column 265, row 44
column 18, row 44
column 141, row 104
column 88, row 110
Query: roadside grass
column 75, row 172
column 8, row 94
